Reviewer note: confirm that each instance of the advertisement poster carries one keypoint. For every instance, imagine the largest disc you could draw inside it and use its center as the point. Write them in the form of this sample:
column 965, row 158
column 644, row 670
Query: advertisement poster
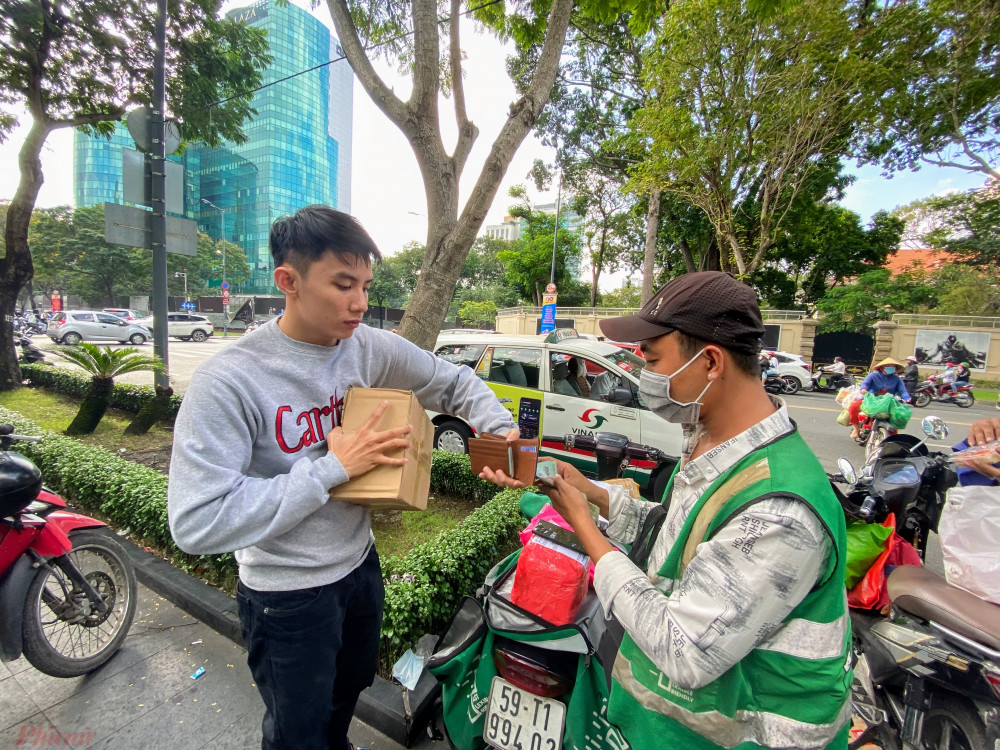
column 936, row 347
column 548, row 312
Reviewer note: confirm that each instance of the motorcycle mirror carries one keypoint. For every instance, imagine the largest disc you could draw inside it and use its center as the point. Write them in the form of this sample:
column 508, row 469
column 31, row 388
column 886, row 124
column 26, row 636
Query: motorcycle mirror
column 847, row 470
column 935, row 427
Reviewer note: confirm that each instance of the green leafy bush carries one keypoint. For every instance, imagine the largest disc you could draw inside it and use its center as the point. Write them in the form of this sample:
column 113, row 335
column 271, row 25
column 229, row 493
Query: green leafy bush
column 423, row 587
column 123, row 396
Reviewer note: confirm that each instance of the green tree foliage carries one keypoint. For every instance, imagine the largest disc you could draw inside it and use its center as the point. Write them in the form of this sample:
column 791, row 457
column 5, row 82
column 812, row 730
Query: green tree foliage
column 627, row 295
column 529, row 259
column 611, row 225
column 478, row 313
column 748, row 105
column 824, row 244
column 873, row 297
column 484, row 277
column 83, row 63
column 104, row 364
column 69, row 253
column 965, row 290
column 967, row 224
column 942, row 102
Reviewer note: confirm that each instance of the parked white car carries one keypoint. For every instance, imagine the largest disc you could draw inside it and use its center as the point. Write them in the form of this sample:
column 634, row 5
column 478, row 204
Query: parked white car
column 557, row 385
column 793, row 365
column 184, row 326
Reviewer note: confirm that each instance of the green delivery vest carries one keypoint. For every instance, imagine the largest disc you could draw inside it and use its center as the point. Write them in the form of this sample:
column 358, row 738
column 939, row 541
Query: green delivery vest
column 792, row 690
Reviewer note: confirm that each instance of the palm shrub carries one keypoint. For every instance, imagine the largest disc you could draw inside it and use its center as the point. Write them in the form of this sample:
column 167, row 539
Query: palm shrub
column 103, row 364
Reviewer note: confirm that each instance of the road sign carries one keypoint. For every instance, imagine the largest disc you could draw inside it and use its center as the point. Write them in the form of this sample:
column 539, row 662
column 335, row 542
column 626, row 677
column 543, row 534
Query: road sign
column 225, row 296
column 225, row 284
column 187, row 306
column 127, row 225
column 139, row 123
column 137, row 181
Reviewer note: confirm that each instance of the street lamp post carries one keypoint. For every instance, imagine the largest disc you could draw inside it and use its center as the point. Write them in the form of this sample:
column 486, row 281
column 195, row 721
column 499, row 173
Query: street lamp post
column 183, row 273
column 225, row 307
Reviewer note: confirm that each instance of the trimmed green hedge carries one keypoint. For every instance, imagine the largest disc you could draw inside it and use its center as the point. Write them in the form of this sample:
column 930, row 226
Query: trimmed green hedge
column 125, row 397
column 422, row 588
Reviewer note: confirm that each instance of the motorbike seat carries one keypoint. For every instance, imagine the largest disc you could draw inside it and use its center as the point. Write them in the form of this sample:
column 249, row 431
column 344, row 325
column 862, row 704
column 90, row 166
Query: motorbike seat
column 927, row 595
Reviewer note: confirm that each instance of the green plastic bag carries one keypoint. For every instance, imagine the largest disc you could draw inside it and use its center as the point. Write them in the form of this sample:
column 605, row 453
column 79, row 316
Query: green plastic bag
column 877, row 406
column 865, row 542
column 899, row 414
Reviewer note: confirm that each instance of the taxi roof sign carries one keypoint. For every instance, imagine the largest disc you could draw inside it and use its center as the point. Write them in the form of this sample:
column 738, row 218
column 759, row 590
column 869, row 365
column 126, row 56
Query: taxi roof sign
column 561, row 334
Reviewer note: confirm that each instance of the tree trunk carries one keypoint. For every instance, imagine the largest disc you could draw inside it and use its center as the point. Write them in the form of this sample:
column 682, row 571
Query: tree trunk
column 652, row 228
column 689, row 263
column 92, row 408
column 151, row 413
column 16, row 268
column 449, row 234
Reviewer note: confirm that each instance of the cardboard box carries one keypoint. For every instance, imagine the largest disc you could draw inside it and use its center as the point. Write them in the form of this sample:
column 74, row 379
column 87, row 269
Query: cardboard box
column 390, row 487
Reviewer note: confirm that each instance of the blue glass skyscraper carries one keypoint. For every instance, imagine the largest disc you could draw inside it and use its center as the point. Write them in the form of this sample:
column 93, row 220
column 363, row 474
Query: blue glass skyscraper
column 298, row 149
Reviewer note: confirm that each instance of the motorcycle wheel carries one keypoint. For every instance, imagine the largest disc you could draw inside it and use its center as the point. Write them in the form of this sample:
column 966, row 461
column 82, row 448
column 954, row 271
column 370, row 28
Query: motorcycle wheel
column 62, row 636
column 953, row 724
column 921, row 399
column 791, row 385
column 965, row 399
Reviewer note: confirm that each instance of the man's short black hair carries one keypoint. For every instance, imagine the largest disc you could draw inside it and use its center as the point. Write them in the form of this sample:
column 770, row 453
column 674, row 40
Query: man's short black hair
column 748, row 364
column 302, row 238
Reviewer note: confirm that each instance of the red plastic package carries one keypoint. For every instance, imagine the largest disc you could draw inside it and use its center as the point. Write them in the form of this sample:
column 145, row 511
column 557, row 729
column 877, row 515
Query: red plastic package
column 871, row 591
column 550, row 581
column 548, row 513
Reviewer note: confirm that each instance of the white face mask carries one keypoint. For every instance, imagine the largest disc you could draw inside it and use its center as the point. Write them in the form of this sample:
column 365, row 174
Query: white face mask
column 655, row 391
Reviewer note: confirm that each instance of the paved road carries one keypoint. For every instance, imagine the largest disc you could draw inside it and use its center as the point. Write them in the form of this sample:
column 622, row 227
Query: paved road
column 813, row 412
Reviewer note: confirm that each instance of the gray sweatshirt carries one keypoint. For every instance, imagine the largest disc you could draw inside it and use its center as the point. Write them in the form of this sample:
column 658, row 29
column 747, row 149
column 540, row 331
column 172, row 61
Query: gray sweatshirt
column 250, row 469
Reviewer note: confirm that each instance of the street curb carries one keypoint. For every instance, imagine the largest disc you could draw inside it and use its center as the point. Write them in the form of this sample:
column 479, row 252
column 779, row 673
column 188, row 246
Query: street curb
column 383, row 706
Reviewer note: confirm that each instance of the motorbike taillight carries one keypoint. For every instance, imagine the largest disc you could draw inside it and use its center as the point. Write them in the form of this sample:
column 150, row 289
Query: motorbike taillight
column 527, row 675
column 994, row 679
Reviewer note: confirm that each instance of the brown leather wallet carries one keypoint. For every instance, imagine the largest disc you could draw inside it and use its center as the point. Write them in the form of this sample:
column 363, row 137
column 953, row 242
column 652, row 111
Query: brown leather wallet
column 491, row 450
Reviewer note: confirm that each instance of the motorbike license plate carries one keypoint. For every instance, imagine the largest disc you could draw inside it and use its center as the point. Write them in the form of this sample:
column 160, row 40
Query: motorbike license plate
column 519, row 720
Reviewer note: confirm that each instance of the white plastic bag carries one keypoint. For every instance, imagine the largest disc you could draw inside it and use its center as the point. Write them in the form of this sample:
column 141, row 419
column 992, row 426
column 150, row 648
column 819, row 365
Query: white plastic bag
column 845, row 396
column 970, row 540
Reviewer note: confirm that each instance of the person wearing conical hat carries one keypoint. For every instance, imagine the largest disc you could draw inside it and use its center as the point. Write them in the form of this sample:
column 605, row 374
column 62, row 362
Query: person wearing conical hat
column 882, row 379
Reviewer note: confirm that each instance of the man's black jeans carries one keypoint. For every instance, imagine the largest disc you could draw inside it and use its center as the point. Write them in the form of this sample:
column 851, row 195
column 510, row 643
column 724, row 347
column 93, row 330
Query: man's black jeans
column 312, row 652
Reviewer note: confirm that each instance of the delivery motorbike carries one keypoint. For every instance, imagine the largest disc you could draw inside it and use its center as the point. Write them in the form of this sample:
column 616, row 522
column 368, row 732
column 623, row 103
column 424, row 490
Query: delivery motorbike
column 830, row 382
column 931, row 390
column 781, row 384
column 927, row 675
column 513, row 681
column 67, row 591
column 30, row 354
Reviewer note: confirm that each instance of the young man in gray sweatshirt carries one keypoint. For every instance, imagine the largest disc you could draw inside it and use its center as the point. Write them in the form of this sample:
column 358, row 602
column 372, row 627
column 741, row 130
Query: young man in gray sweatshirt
column 257, row 446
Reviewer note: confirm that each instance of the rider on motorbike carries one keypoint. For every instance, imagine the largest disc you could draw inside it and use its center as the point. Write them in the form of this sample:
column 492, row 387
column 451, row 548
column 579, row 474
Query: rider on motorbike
column 883, row 379
column 838, row 368
column 735, row 627
column 962, row 375
column 911, row 375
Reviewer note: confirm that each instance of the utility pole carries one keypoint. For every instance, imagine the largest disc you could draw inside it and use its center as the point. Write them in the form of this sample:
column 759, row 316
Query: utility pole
column 158, row 194
column 225, row 288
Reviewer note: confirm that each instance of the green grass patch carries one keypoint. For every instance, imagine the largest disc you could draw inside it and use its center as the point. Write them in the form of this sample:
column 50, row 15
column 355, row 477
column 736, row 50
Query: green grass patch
column 52, row 411
column 397, row 532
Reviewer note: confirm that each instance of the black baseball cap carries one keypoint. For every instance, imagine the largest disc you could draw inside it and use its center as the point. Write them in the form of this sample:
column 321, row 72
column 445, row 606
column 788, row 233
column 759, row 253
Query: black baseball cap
column 709, row 305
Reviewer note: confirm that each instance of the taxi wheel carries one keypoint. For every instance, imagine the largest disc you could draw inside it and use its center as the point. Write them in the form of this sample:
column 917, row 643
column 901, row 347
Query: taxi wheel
column 452, row 437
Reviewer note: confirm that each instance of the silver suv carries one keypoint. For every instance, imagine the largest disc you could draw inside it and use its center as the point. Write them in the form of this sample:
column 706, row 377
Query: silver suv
column 74, row 326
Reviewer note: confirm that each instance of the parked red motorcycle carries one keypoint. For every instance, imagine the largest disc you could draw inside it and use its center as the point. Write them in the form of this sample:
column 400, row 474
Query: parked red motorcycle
column 67, row 592
column 931, row 390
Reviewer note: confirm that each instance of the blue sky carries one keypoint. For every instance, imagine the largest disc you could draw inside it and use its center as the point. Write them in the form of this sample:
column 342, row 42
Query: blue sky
column 871, row 192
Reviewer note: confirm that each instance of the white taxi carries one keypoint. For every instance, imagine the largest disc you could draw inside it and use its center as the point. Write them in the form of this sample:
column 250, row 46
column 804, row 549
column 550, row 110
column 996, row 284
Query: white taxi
column 560, row 384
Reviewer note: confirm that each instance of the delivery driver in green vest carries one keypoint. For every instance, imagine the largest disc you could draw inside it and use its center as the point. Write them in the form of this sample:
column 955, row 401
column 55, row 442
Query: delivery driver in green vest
column 736, row 629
